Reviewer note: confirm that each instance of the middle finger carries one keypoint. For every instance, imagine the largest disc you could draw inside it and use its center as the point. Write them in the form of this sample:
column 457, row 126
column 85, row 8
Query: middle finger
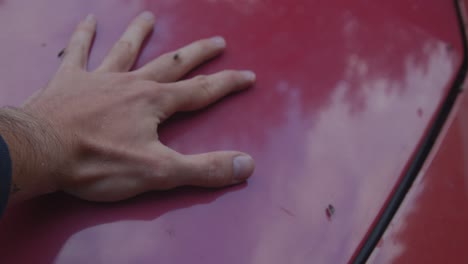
column 124, row 53
column 172, row 66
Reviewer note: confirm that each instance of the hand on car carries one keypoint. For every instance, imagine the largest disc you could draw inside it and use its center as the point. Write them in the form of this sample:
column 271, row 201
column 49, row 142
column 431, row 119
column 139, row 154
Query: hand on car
column 94, row 133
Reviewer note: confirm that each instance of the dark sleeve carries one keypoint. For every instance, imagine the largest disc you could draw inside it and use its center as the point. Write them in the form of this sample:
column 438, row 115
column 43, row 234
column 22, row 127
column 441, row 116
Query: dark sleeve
column 5, row 175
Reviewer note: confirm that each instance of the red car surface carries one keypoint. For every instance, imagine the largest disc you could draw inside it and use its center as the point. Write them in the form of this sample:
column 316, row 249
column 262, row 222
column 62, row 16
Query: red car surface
column 358, row 124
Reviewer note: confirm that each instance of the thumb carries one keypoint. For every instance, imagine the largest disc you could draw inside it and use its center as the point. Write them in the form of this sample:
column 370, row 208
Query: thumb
column 217, row 169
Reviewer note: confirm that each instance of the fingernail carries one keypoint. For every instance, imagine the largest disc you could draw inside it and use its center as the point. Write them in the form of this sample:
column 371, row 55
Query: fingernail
column 249, row 75
column 243, row 166
column 90, row 18
column 219, row 41
column 147, row 15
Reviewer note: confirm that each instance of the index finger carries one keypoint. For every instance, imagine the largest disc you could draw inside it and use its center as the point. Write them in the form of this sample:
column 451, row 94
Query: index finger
column 199, row 92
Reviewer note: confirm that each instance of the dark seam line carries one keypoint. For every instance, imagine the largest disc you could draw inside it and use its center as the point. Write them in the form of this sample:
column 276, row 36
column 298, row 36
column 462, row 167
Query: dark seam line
column 409, row 177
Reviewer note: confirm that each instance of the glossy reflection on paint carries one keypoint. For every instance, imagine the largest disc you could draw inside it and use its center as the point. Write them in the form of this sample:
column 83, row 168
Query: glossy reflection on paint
column 333, row 119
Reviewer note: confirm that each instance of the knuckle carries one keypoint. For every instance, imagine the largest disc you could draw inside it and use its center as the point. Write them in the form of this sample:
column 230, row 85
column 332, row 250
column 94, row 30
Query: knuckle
column 202, row 80
column 129, row 80
column 160, row 92
column 149, row 74
column 160, row 96
column 204, row 83
column 146, row 89
column 162, row 169
column 215, row 173
column 132, row 76
column 123, row 45
column 122, row 54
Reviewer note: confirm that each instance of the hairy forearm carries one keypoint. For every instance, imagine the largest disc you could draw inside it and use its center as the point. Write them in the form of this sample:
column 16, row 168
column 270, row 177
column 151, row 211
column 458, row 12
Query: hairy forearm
column 32, row 146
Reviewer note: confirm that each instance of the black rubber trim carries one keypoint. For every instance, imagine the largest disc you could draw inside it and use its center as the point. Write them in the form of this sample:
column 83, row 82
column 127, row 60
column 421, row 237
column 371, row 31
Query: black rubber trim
column 5, row 175
column 427, row 144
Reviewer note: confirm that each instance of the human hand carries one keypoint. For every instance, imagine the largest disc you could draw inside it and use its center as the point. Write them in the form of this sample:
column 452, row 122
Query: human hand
column 98, row 130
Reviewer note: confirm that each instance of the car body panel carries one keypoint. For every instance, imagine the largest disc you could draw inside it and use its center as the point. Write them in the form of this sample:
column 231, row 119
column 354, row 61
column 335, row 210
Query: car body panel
column 430, row 225
column 345, row 93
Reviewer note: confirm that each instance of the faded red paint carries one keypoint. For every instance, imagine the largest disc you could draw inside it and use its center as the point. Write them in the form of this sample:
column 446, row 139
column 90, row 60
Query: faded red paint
column 334, row 119
column 431, row 224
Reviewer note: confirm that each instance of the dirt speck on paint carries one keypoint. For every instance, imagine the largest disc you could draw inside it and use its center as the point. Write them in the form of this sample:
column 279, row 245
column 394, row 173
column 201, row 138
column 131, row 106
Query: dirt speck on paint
column 61, row 53
column 330, row 211
column 286, row 211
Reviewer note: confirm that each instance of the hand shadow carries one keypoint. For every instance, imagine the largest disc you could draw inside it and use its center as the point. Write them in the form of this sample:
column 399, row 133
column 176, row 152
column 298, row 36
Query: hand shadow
column 36, row 230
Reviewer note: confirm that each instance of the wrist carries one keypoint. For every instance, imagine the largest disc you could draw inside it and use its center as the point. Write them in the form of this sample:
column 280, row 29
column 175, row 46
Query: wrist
column 36, row 153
